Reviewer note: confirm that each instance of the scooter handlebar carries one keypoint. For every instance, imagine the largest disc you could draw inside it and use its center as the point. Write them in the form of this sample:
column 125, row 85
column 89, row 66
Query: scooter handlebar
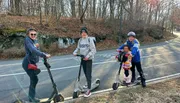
column 82, row 56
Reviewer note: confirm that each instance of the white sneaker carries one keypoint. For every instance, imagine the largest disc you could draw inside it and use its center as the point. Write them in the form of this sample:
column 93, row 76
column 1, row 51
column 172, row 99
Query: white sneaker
column 87, row 94
column 85, row 87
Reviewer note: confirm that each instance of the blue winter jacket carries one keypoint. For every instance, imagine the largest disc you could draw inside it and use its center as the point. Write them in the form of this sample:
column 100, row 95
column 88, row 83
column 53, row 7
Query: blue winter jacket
column 32, row 52
column 134, row 46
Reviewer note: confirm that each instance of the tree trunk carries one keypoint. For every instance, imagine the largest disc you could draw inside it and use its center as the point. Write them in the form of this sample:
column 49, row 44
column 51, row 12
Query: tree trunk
column 156, row 13
column 83, row 13
column 94, row 8
column 137, row 10
column 73, row 8
column 80, row 7
column 17, row 7
column 131, row 10
column 46, row 11
column 150, row 15
column 12, row 6
column 100, row 11
column 58, row 13
column 111, row 2
column 62, row 7
column 40, row 12
column 104, row 8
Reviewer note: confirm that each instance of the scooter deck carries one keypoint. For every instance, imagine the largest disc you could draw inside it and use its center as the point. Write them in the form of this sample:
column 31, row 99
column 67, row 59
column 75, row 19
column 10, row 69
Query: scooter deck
column 93, row 87
column 132, row 84
column 41, row 101
column 95, row 84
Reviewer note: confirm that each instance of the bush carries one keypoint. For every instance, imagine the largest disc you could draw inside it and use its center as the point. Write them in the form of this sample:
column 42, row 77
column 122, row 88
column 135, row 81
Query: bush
column 13, row 52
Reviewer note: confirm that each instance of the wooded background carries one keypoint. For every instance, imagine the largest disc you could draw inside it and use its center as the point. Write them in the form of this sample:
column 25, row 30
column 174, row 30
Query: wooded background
column 156, row 12
column 108, row 21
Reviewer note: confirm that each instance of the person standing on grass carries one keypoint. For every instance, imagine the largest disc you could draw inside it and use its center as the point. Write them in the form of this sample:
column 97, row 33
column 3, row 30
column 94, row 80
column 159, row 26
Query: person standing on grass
column 32, row 57
column 86, row 47
column 134, row 44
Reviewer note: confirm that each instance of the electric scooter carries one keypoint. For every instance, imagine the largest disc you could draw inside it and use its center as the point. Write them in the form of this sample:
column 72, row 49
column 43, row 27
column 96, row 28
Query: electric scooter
column 117, row 81
column 78, row 88
column 55, row 96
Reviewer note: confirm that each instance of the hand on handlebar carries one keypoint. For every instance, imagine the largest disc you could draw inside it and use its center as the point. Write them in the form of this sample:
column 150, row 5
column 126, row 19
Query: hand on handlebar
column 48, row 55
column 85, row 59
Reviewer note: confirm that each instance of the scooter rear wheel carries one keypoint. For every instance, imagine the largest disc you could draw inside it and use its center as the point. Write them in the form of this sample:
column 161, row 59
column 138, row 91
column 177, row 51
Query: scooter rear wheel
column 58, row 98
column 18, row 101
column 98, row 82
column 76, row 94
column 115, row 86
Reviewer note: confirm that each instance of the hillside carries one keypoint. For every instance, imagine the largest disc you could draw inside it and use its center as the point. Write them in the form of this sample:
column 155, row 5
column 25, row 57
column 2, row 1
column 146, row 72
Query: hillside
column 106, row 32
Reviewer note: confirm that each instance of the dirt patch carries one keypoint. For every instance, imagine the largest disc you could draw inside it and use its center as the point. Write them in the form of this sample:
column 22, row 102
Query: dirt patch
column 165, row 92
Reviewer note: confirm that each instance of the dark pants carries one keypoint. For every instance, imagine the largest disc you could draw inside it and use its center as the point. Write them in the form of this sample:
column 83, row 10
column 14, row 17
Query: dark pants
column 126, row 72
column 139, row 69
column 87, row 67
column 33, row 79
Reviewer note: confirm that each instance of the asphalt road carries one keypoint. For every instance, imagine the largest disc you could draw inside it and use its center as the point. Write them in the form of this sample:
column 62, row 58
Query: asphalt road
column 158, row 60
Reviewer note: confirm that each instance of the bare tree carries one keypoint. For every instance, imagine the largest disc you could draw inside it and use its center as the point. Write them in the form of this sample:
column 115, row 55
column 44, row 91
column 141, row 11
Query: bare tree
column 83, row 13
column 40, row 12
column 72, row 2
column 111, row 3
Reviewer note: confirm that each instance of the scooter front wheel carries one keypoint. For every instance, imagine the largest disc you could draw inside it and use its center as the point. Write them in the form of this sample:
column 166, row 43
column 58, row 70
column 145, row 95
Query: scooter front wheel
column 115, row 86
column 58, row 98
column 76, row 94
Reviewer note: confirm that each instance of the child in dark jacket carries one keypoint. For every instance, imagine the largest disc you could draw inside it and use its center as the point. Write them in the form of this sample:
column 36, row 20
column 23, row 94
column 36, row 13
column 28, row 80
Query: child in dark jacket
column 126, row 65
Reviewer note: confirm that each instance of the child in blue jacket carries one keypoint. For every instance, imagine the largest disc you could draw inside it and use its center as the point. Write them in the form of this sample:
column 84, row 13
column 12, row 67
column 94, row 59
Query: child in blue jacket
column 133, row 43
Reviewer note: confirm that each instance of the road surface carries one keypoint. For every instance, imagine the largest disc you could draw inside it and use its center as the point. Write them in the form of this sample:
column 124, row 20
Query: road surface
column 158, row 60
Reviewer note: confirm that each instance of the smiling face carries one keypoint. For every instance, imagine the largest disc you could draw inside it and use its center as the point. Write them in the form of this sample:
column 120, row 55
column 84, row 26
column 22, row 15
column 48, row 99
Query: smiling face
column 33, row 35
column 126, row 49
column 84, row 34
column 131, row 38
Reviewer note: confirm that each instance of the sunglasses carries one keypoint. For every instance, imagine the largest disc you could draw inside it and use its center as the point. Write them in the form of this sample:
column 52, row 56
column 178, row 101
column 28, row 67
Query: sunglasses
column 33, row 34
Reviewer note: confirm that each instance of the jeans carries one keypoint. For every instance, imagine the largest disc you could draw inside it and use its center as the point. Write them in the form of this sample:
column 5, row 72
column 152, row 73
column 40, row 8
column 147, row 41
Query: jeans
column 33, row 79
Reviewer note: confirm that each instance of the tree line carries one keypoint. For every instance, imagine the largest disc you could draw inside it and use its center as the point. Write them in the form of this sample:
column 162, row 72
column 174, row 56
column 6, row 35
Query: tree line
column 152, row 12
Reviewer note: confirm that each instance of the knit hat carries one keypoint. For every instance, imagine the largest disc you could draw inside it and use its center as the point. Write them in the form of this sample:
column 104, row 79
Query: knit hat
column 84, row 29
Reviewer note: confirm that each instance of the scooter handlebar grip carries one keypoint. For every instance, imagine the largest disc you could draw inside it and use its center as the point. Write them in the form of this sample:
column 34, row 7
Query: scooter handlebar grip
column 82, row 56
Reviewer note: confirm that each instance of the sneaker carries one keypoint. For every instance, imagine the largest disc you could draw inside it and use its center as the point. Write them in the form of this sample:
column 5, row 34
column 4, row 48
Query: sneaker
column 133, row 80
column 128, row 84
column 34, row 100
column 143, row 82
column 87, row 94
column 85, row 87
column 123, row 83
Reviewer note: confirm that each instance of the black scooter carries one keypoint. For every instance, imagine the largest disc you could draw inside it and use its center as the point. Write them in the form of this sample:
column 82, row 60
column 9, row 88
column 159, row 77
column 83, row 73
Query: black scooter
column 55, row 96
column 78, row 89
column 117, row 81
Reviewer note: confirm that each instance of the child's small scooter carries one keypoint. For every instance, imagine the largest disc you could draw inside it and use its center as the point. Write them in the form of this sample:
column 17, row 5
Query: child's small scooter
column 78, row 89
column 55, row 96
column 117, row 81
